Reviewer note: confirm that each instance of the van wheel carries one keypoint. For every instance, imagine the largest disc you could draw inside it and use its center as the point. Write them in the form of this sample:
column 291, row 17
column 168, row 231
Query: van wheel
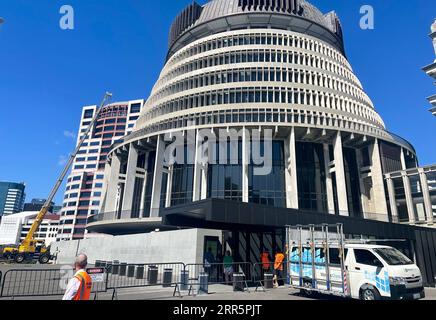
column 369, row 294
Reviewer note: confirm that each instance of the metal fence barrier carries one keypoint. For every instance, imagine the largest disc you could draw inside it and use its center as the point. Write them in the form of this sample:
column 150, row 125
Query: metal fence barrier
column 268, row 275
column 190, row 277
column 218, row 273
column 40, row 283
column 125, row 276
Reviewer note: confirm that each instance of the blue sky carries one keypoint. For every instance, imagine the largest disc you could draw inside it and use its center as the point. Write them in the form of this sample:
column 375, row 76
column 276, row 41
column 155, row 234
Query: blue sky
column 47, row 74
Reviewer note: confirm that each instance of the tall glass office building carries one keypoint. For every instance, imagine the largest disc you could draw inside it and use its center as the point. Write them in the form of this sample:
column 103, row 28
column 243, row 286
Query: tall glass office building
column 12, row 197
column 256, row 65
column 83, row 191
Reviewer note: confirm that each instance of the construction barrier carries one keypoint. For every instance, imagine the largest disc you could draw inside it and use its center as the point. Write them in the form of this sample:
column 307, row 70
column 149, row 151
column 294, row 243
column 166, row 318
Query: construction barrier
column 269, row 275
column 194, row 278
column 125, row 276
column 218, row 273
column 40, row 283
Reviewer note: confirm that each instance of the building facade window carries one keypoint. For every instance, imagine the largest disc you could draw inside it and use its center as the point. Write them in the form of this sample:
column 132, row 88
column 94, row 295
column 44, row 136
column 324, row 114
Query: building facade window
column 312, row 194
column 269, row 189
column 225, row 180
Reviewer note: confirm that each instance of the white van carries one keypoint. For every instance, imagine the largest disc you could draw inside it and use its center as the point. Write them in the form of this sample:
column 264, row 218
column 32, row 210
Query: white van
column 368, row 272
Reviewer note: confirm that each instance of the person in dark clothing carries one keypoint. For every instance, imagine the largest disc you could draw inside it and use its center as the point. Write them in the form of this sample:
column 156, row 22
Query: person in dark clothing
column 209, row 261
column 219, row 267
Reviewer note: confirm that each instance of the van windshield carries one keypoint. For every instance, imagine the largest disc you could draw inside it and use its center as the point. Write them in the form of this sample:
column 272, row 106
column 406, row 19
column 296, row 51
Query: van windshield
column 393, row 257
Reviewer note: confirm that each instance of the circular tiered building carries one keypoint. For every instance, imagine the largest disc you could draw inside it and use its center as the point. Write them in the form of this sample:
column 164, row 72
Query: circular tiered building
column 251, row 66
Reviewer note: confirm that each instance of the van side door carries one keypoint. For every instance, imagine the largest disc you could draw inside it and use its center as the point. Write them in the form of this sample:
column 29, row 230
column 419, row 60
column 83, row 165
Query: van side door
column 368, row 270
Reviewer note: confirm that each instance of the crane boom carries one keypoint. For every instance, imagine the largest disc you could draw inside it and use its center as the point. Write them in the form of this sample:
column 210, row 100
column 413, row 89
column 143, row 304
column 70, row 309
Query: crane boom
column 40, row 217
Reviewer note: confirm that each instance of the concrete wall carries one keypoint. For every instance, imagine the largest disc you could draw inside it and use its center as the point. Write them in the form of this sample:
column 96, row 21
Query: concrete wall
column 161, row 247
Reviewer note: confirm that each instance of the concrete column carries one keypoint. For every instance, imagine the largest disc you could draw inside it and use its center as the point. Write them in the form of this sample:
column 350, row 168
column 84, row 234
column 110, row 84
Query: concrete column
column 107, row 172
column 378, row 186
column 392, row 199
column 291, row 172
column 409, row 199
column 245, row 164
column 130, row 179
column 204, row 183
column 329, row 182
column 426, row 196
column 157, row 180
column 144, row 187
column 169, row 186
column 365, row 194
column 112, row 184
column 341, row 183
column 403, row 160
column 198, row 170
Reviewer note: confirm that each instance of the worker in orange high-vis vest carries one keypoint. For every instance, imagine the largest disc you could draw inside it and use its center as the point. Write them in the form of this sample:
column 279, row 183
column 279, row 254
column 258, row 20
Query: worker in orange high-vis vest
column 278, row 268
column 80, row 286
column 266, row 264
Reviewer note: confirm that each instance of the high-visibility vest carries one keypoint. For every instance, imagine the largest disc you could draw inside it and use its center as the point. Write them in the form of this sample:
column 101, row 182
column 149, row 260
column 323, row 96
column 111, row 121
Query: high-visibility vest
column 84, row 292
column 265, row 260
column 278, row 265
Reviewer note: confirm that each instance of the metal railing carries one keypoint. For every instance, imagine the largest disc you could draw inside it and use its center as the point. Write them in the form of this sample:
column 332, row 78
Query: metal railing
column 39, row 283
column 125, row 276
column 32, row 283
column 219, row 273
column 267, row 275
column 176, row 276
column 200, row 276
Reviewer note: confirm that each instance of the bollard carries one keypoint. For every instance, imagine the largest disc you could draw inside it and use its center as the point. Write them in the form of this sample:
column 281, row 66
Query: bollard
column 152, row 275
column 203, row 279
column 184, row 279
column 238, row 282
column 140, row 272
column 167, row 278
column 123, row 269
column 116, row 267
column 131, row 271
column 268, row 281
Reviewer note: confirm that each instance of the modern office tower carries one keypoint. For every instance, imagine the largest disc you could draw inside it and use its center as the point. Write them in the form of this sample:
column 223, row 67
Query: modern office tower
column 84, row 185
column 12, row 197
column 253, row 68
column 431, row 69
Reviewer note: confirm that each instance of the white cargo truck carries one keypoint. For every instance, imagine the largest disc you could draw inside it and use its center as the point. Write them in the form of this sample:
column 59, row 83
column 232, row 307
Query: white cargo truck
column 320, row 261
